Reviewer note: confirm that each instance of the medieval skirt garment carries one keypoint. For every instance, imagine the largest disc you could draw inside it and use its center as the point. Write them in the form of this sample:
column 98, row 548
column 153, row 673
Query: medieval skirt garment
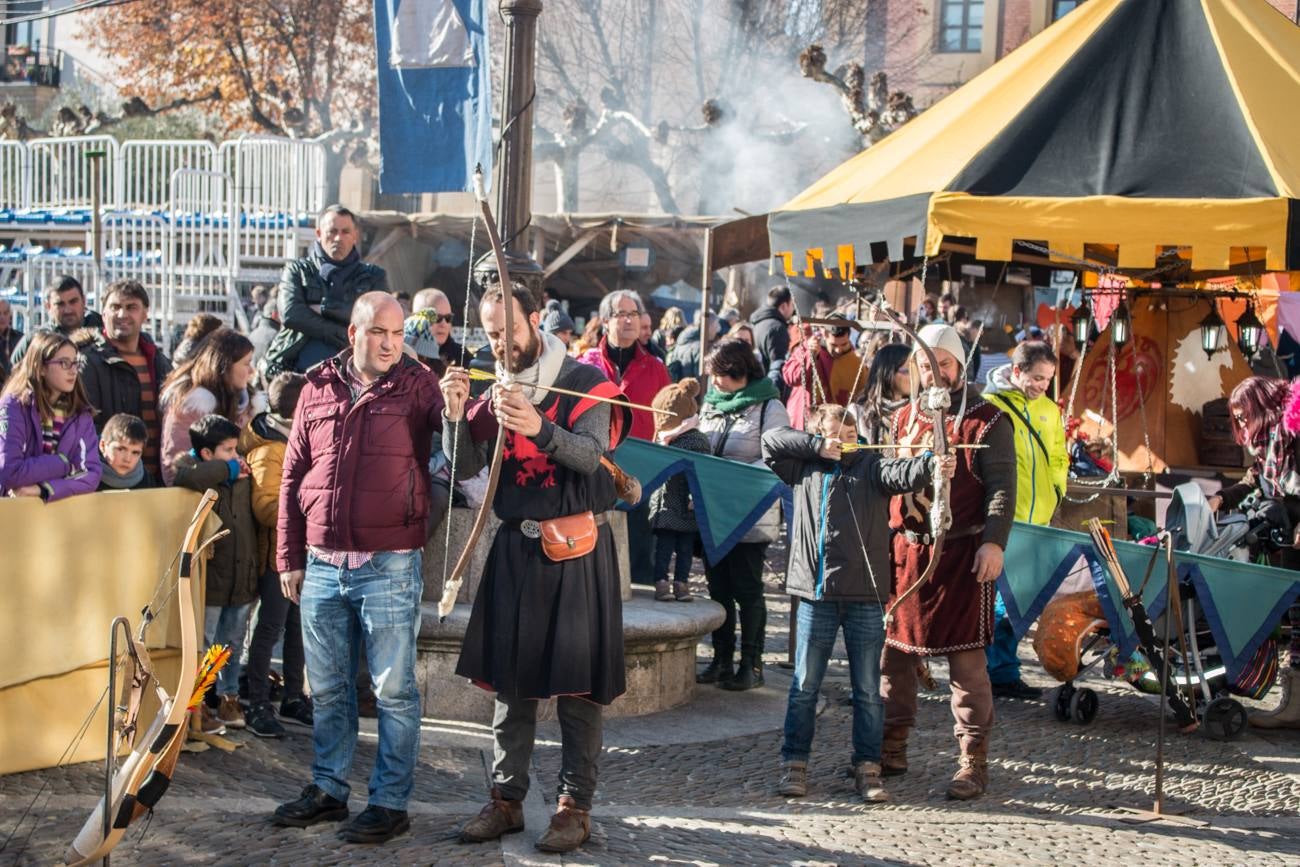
column 952, row 611
column 540, row 629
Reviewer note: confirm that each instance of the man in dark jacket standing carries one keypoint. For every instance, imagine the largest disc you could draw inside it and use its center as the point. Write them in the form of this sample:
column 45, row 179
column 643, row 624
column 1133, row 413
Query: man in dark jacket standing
column 123, row 369
column 354, row 502
column 771, row 331
column 317, row 293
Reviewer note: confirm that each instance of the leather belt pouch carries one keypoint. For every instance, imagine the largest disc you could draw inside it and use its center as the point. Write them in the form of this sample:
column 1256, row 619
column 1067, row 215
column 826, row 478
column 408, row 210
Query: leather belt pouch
column 571, row 536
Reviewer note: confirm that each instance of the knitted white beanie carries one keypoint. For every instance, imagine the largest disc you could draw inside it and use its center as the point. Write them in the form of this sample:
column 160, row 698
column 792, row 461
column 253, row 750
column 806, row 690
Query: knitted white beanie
column 938, row 335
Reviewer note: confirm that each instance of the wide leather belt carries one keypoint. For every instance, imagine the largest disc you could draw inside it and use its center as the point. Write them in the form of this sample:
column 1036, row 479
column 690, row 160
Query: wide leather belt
column 927, row 539
column 533, row 529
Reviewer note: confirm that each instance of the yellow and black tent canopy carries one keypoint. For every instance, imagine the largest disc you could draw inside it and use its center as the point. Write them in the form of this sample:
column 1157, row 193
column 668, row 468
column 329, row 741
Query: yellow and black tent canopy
column 1140, row 125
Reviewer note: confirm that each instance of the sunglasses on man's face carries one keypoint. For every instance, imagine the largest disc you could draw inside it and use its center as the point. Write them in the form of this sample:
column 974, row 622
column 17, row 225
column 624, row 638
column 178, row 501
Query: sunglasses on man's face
column 445, row 318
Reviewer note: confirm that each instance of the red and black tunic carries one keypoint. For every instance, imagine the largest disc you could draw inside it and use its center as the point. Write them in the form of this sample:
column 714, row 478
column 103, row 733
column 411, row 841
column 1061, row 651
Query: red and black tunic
column 539, row 628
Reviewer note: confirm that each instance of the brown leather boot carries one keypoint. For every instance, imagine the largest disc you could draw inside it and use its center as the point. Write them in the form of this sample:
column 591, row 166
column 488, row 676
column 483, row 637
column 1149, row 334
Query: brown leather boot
column 893, row 752
column 972, row 776
column 498, row 817
column 570, row 828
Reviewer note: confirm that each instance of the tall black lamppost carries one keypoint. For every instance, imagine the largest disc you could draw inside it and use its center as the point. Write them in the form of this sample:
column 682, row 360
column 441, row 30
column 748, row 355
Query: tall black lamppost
column 514, row 175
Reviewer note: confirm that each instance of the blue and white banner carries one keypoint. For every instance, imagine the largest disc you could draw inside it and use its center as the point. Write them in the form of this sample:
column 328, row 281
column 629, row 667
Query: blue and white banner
column 435, row 94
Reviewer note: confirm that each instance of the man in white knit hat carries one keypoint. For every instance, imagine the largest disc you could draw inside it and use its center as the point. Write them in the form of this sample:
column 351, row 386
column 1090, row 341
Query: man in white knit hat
column 952, row 614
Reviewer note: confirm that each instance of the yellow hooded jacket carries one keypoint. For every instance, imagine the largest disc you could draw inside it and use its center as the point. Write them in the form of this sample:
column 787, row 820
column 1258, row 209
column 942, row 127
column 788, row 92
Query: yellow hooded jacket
column 1042, row 461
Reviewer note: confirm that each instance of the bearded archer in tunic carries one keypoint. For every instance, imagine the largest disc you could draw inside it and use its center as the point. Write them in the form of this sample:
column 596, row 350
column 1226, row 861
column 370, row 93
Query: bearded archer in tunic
column 952, row 614
column 546, row 621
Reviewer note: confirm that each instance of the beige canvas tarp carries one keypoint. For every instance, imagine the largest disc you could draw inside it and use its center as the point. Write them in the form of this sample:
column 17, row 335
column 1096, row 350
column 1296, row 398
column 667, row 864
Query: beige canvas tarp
column 68, row 568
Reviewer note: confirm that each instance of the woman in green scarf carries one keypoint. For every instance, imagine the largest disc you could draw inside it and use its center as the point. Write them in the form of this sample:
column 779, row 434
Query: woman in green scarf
column 740, row 405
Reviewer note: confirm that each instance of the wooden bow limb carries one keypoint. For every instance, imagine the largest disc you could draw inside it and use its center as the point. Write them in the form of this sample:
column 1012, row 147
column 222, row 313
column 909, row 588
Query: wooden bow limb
column 934, row 401
column 485, row 376
column 451, row 583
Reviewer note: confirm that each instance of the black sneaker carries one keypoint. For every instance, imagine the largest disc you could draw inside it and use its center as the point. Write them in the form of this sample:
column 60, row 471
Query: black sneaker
column 376, row 825
column 297, row 711
column 1016, row 689
column 312, row 806
column 261, row 721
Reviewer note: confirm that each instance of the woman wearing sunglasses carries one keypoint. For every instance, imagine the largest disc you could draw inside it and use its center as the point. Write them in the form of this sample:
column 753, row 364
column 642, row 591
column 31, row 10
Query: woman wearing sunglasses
column 50, row 448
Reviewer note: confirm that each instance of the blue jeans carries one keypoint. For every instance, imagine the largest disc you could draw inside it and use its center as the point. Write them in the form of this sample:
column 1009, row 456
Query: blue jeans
column 226, row 624
column 379, row 603
column 1004, row 664
column 864, row 639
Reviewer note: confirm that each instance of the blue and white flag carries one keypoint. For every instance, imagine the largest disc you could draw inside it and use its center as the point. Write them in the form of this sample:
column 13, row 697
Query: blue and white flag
column 435, row 94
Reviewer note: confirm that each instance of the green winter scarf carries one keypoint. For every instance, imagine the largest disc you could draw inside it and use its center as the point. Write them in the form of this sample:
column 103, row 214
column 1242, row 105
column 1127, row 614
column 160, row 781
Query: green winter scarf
column 758, row 391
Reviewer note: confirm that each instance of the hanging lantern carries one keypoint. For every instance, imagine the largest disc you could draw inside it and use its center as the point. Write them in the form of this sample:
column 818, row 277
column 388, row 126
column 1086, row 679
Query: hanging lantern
column 1213, row 333
column 1121, row 325
column 1081, row 321
column 1250, row 332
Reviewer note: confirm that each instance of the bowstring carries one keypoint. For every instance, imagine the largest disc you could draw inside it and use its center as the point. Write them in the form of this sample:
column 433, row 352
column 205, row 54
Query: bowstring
column 862, row 544
column 455, row 440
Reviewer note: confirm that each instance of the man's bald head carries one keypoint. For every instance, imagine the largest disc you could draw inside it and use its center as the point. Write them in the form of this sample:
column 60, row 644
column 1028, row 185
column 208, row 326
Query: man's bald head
column 375, row 334
column 369, row 305
column 430, row 299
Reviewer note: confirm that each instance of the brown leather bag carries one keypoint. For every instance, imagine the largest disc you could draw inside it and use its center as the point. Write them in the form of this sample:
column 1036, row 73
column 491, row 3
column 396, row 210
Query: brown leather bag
column 571, row 536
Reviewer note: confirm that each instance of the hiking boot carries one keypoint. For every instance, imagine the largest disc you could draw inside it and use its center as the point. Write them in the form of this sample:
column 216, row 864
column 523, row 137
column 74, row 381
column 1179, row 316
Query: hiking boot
column 867, row 782
column 663, row 591
column 1287, row 714
column 208, row 722
column 893, row 752
column 297, row 711
column 749, row 675
column 312, row 806
column 719, row 670
column 376, row 825
column 261, row 721
column 794, row 779
column 972, row 776
column 1017, row 689
column 570, row 828
column 231, row 713
column 682, row 591
column 498, row 817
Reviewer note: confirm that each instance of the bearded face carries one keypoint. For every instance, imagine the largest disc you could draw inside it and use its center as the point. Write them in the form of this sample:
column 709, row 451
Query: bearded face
column 949, row 374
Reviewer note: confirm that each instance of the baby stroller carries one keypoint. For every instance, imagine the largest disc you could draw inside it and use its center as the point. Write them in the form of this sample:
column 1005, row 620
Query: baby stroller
column 1074, row 637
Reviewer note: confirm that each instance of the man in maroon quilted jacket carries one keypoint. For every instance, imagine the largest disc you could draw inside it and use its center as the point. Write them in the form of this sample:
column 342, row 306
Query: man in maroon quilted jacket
column 354, row 504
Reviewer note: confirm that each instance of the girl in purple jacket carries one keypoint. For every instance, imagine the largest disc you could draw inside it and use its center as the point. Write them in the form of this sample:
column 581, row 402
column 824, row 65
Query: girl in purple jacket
column 50, row 449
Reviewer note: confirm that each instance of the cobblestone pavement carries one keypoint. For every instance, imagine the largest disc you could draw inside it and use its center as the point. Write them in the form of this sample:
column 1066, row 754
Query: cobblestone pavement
column 678, row 790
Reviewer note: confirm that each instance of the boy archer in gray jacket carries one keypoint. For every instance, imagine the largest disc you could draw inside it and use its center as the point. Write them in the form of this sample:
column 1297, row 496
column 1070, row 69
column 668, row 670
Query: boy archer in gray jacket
column 840, row 570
